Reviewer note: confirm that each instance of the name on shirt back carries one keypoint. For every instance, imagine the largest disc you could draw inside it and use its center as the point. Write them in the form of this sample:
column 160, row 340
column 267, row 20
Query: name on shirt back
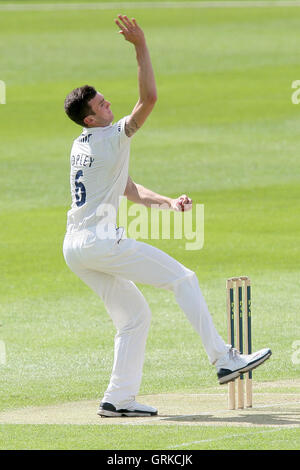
column 82, row 159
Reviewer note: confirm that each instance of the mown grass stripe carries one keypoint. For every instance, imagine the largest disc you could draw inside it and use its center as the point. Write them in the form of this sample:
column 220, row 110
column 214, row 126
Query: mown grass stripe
column 111, row 6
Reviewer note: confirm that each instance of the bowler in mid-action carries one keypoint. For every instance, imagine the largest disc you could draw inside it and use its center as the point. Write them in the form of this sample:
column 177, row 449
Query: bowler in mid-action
column 108, row 262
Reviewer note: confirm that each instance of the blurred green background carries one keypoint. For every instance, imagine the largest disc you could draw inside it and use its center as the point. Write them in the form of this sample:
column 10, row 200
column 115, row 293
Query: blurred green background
column 224, row 131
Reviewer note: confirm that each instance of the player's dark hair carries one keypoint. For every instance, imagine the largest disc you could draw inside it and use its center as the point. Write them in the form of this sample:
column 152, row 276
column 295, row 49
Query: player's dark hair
column 77, row 103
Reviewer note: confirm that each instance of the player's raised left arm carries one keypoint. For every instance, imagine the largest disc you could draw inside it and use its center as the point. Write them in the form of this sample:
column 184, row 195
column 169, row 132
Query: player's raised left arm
column 141, row 195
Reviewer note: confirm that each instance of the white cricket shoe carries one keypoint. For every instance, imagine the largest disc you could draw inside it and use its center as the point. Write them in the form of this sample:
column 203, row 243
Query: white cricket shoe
column 233, row 364
column 133, row 409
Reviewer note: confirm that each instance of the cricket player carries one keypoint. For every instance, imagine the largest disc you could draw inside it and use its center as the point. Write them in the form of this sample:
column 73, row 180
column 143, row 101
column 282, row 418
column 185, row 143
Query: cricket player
column 98, row 252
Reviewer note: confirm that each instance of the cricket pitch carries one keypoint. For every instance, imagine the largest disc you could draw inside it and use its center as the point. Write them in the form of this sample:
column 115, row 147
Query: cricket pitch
column 275, row 404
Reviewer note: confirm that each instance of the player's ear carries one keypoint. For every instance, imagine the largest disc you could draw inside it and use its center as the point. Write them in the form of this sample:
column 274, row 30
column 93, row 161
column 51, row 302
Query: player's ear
column 88, row 120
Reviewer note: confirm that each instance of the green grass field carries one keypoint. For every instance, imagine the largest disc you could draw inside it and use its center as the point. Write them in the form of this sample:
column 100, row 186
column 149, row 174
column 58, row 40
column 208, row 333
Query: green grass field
column 224, row 131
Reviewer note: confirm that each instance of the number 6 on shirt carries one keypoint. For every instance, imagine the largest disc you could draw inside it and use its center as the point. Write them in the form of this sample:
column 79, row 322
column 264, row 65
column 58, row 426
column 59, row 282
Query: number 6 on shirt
column 80, row 192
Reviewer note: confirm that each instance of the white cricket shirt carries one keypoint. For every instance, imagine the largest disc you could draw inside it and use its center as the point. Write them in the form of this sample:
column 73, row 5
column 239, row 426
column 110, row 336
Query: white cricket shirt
column 99, row 172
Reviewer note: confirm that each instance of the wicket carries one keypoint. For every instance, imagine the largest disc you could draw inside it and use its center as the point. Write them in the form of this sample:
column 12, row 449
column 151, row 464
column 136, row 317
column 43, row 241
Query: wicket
column 239, row 322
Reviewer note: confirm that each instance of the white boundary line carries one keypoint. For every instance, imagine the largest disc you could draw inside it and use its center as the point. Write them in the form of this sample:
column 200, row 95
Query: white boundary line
column 124, row 6
column 221, row 438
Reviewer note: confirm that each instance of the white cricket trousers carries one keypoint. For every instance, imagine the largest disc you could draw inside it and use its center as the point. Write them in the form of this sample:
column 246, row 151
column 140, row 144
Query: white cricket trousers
column 110, row 268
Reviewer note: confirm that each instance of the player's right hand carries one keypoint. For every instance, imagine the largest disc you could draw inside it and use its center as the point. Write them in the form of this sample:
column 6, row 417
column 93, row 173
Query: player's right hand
column 182, row 203
column 130, row 30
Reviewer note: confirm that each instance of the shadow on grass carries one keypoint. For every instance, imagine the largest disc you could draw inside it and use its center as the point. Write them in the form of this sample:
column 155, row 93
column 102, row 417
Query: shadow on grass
column 290, row 418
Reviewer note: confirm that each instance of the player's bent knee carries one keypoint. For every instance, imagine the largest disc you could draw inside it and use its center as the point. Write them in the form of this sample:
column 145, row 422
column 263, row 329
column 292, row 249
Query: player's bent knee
column 139, row 323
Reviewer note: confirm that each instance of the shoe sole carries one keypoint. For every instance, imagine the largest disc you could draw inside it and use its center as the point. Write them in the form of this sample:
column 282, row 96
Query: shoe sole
column 229, row 378
column 129, row 414
column 256, row 363
column 232, row 377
